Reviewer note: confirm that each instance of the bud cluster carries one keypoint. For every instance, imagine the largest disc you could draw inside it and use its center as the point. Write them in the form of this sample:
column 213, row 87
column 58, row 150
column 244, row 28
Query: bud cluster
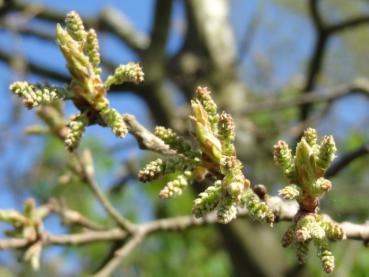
column 28, row 225
column 305, row 171
column 215, row 159
column 87, row 90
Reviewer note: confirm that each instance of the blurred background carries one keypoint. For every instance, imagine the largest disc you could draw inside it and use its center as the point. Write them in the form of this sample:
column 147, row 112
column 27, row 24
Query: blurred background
column 254, row 55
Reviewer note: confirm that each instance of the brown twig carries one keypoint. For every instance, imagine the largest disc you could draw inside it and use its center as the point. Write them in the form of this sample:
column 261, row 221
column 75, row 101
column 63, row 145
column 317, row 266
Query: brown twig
column 145, row 138
column 86, row 175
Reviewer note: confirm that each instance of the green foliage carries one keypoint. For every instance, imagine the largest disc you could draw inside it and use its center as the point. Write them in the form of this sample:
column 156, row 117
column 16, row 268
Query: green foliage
column 304, row 172
column 86, row 90
column 214, row 160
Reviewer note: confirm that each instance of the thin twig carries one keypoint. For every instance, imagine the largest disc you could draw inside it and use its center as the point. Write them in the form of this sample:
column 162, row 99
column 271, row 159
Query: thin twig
column 87, row 176
column 359, row 86
column 119, row 255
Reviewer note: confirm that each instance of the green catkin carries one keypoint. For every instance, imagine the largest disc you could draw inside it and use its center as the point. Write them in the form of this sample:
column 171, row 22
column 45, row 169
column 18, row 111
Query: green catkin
column 283, row 157
column 290, row 192
column 175, row 187
column 204, row 97
column 326, row 153
column 256, row 208
column 131, row 72
column 288, row 236
column 92, row 49
column 302, row 251
column 207, row 200
column 36, row 95
column 151, row 171
column 75, row 26
column 76, row 128
column 227, row 211
column 114, row 120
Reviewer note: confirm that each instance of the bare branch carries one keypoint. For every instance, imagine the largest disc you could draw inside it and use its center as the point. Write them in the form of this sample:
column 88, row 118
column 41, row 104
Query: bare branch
column 69, row 216
column 360, row 86
column 37, row 69
column 346, row 159
column 116, row 22
column 145, row 138
column 349, row 23
column 110, row 20
column 119, row 255
column 87, row 176
column 84, row 238
column 13, row 243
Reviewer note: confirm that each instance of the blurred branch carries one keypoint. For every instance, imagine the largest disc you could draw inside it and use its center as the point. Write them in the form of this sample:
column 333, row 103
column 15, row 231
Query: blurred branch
column 358, row 86
column 36, row 69
column 85, row 172
column 69, row 216
column 154, row 61
column 119, row 255
column 346, row 159
column 109, row 19
column 317, row 56
column 117, row 23
column 323, row 33
column 349, row 23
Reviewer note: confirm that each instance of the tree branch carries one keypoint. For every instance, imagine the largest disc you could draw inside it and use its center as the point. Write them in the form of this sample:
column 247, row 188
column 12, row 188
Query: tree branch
column 359, row 86
column 349, row 23
column 119, row 255
column 86, row 175
column 109, row 19
column 346, row 159
column 146, row 139
column 117, row 23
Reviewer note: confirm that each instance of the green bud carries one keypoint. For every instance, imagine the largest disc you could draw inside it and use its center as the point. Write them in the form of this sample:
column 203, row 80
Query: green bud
column 316, row 231
column 75, row 26
column 310, row 136
column 302, row 234
column 256, row 208
column 114, row 120
column 227, row 210
column 174, row 141
column 290, row 192
column 78, row 65
column 305, row 165
column 76, row 128
column 131, row 72
column 203, row 95
column 289, row 236
column 92, row 49
column 326, row 258
column 207, row 200
column 151, row 171
column 175, row 187
column 230, row 165
column 332, row 229
column 227, row 133
column 209, row 143
column 36, row 95
column 283, row 158
column 326, row 153
column 302, row 251
column 320, row 186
